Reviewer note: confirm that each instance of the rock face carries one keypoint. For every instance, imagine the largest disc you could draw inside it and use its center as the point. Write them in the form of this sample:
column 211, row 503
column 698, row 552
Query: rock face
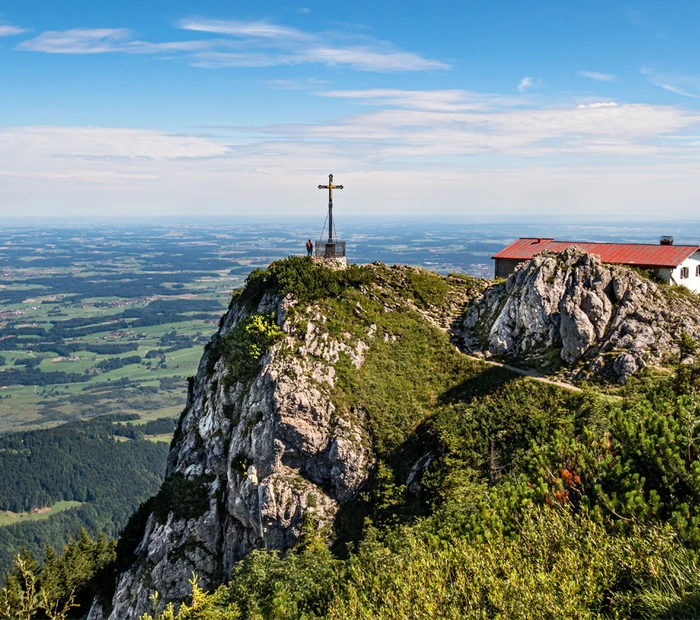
column 598, row 319
column 262, row 454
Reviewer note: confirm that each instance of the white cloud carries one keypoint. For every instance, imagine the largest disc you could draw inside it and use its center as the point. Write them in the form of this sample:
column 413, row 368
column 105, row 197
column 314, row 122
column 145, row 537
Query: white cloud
column 598, row 104
column 268, row 44
column 366, row 58
column 417, row 126
column 685, row 85
column 301, row 84
column 8, row 30
column 526, row 84
column 361, row 59
column 101, row 41
column 407, row 152
column 438, row 100
column 241, row 44
column 222, row 60
column 92, row 143
column 601, row 77
column 243, row 29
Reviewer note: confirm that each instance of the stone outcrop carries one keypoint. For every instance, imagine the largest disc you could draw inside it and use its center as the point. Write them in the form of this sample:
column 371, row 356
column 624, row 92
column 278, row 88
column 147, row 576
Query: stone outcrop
column 264, row 453
column 597, row 319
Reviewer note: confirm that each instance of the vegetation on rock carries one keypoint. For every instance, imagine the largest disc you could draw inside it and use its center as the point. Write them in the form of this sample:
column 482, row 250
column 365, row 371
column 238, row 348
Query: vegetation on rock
column 244, row 345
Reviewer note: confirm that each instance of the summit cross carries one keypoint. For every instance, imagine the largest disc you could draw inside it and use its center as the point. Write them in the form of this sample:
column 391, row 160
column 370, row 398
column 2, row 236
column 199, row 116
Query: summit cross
column 330, row 187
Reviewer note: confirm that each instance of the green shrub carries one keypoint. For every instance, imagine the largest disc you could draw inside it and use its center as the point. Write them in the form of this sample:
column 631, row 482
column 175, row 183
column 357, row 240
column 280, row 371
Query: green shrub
column 426, row 288
column 559, row 566
column 185, row 498
column 305, row 279
column 203, row 606
column 298, row 585
column 244, row 346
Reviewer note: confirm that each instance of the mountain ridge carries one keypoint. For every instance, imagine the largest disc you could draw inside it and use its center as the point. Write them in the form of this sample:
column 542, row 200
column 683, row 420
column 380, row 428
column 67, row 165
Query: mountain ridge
column 313, row 382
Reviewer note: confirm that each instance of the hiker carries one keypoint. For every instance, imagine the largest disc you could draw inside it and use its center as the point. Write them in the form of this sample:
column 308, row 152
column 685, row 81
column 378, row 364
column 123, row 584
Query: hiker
column 309, row 247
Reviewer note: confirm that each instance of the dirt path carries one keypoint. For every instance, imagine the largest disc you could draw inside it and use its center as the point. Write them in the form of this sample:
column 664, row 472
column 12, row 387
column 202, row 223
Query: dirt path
column 533, row 374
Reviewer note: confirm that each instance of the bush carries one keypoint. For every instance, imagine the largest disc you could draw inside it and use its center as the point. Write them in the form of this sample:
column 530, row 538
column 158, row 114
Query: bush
column 244, row 346
column 559, row 566
column 203, row 606
column 302, row 277
column 185, row 498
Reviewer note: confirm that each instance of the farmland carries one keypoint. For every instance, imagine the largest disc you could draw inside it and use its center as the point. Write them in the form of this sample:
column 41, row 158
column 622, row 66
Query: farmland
column 95, row 321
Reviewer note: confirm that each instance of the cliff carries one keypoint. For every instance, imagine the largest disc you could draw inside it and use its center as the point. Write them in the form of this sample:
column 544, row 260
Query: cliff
column 594, row 320
column 269, row 436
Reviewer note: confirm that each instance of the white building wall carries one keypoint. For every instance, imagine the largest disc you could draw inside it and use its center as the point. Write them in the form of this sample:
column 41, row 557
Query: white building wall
column 693, row 280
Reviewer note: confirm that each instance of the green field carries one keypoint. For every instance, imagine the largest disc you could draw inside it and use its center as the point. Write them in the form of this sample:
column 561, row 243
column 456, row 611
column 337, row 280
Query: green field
column 10, row 518
column 165, row 437
column 119, row 333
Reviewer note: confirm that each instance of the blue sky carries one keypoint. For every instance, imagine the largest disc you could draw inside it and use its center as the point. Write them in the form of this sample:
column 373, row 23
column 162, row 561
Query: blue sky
column 469, row 109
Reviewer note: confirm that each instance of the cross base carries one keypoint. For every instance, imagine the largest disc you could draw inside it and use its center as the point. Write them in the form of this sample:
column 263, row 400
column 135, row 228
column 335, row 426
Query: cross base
column 330, row 249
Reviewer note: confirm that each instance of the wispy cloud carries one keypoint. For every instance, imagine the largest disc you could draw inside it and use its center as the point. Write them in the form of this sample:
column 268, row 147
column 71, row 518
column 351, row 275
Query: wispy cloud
column 436, row 100
column 598, row 104
column 94, row 143
column 527, row 83
column 685, row 85
column 266, row 44
column 9, row 30
column 418, row 125
column 101, row 41
column 261, row 29
column 301, row 84
column 601, row 77
column 241, row 44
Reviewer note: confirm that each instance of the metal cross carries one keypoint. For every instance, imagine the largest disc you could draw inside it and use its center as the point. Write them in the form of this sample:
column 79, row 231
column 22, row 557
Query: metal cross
column 330, row 187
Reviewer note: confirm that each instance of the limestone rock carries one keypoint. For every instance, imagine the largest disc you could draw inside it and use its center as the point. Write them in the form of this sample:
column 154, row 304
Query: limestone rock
column 598, row 319
column 267, row 452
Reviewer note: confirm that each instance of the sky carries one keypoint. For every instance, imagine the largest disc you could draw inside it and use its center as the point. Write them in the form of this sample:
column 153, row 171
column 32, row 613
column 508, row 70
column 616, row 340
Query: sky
column 469, row 109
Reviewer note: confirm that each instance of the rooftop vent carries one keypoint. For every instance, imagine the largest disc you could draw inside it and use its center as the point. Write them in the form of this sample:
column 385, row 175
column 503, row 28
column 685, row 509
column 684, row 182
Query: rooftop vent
column 666, row 240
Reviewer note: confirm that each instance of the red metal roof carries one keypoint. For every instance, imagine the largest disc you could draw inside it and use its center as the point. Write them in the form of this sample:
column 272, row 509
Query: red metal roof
column 638, row 254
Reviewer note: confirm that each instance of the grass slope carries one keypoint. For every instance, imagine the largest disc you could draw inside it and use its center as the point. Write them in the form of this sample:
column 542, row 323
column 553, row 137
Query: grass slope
column 10, row 518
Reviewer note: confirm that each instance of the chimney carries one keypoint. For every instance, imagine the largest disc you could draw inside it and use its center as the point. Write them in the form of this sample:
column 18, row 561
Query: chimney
column 666, row 240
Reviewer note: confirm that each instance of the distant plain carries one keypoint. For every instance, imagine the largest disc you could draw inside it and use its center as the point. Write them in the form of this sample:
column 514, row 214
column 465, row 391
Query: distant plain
column 111, row 317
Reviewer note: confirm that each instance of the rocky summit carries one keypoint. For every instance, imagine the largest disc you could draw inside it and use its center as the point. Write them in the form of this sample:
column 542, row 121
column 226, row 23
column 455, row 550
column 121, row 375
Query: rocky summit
column 261, row 445
column 598, row 320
